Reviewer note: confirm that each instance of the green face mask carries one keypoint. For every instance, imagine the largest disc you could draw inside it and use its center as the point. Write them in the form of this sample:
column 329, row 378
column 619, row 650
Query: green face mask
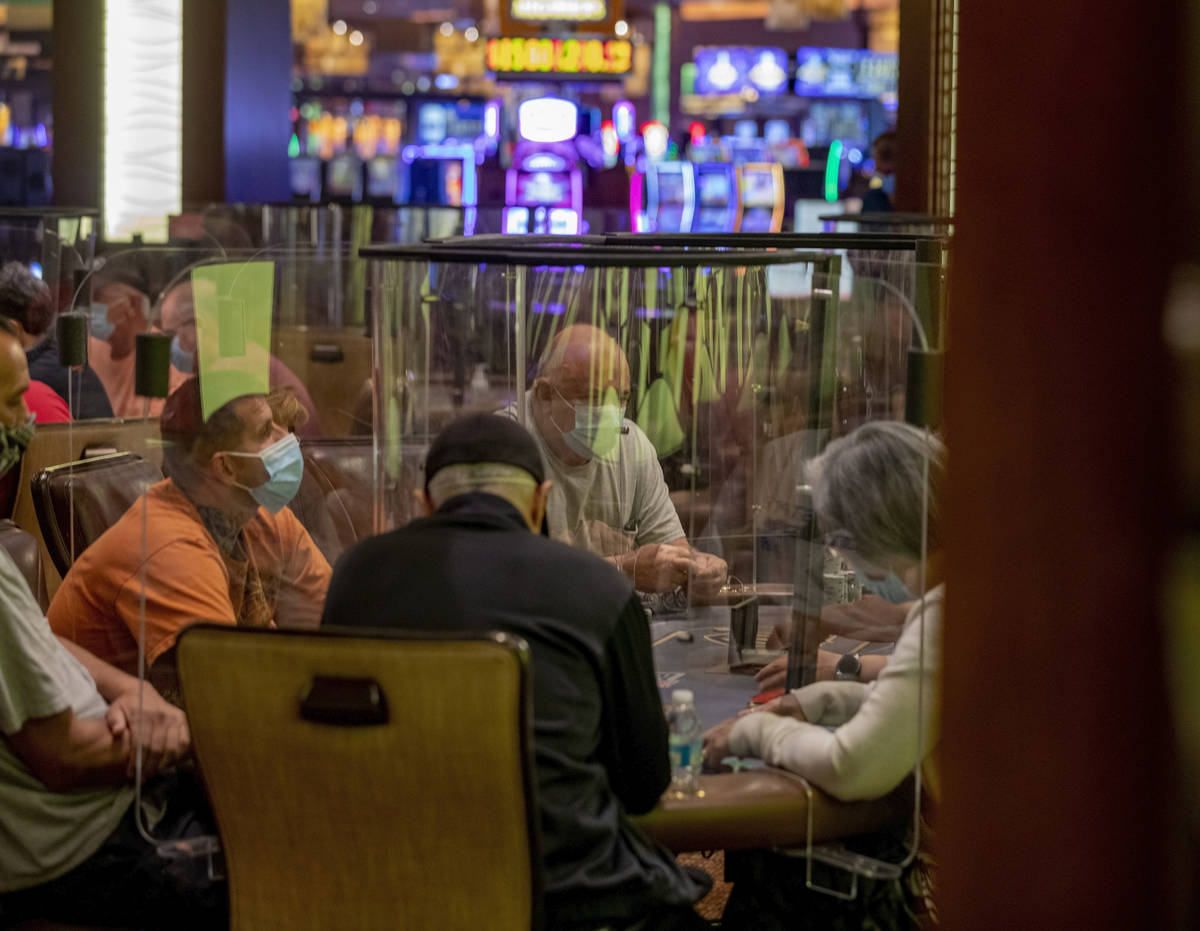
column 13, row 443
column 597, row 428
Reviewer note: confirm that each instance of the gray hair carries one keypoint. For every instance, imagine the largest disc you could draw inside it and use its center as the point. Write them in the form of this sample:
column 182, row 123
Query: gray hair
column 869, row 484
column 510, row 482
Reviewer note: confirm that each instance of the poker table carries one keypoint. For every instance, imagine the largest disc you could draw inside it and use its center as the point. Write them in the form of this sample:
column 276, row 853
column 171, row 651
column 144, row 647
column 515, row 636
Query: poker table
column 691, row 652
column 759, row 806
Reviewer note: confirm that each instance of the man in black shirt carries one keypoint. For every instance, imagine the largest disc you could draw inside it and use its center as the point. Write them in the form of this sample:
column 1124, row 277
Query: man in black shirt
column 600, row 740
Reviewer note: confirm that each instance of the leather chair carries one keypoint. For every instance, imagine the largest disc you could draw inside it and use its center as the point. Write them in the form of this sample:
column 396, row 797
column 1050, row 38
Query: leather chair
column 23, row 548
column 343, row 469
column 103, row 488
column 367, row 781
column 337, row 497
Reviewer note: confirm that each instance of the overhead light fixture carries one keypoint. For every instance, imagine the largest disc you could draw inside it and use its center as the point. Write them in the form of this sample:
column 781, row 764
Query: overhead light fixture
column 356, row 38
column 472, row 34
column 339, row 27
column 446, row 29
column 370, row 7
column 621, row 27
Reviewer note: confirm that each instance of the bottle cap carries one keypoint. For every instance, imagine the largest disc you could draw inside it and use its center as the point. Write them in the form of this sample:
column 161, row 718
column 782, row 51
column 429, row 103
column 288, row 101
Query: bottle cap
column 679, row 696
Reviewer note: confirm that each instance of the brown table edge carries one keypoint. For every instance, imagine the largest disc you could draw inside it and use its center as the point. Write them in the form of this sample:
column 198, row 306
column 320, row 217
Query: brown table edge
column 765, row 808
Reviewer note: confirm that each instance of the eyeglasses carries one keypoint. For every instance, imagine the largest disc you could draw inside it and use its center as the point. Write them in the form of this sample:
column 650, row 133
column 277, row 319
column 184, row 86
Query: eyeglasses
column 622, row 398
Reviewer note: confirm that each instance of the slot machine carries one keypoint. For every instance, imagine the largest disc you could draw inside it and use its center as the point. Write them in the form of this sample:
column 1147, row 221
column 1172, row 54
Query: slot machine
column 383, row 179
column 544, row 187
column 304, row 177
column 344, row 178
column 716, row 198
column 670, row 196
column 760, row 198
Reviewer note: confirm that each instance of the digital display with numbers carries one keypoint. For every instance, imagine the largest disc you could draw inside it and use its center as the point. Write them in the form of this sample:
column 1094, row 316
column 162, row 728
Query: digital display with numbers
column 563, row 57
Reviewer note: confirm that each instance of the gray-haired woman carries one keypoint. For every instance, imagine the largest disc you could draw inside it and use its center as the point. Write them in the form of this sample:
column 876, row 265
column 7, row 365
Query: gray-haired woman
column 877, row 490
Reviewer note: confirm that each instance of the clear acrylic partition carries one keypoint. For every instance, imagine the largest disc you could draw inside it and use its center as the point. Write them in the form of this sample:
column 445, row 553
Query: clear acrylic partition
column 314, row 226
column 171, row 509
column 53, row 244
column 742, row 366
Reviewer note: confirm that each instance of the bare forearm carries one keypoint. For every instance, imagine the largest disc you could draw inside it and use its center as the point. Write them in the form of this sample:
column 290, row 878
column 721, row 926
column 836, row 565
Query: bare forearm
column 68, row 753
column 872, row 666
column 110, row 681
column 97, row 758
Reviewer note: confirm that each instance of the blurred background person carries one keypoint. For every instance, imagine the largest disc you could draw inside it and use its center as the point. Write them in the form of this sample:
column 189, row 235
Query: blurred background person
column 28, row 305
column 120, row 310
column 177, row 316
column 881, row 186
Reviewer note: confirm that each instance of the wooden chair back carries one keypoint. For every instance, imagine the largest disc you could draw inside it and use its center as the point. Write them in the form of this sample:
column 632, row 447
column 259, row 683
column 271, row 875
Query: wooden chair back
column 367, row 781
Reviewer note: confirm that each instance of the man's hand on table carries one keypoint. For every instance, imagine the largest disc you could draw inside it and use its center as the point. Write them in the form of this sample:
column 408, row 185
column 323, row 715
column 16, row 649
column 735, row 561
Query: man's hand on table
column 664, row 567
column 774, row 674
column 159, row 727
column 657, row 567
column 716, row 744
column 708, row 575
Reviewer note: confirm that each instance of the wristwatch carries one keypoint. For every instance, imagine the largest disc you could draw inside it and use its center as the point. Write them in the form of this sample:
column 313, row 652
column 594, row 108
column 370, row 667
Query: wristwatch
column 849, row 668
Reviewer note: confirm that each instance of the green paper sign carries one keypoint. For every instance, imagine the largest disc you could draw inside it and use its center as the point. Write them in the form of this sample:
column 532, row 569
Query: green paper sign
column 233, row 330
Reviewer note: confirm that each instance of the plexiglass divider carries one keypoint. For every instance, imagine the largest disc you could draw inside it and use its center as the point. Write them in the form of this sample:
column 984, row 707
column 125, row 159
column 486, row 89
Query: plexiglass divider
column 729, row 369
column 172, row 513
column 744, row 363
column 53, row 243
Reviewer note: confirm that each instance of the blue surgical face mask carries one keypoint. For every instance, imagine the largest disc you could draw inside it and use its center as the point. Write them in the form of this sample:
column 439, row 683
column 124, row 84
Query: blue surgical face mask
column 875, row 578
column 889, row 588
column 285, row 468
column 100, row 327
column 181, row 359
column 597, row 429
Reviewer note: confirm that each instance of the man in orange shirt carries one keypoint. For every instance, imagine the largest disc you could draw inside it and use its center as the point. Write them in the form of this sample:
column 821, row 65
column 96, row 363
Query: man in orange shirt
column 219, row 543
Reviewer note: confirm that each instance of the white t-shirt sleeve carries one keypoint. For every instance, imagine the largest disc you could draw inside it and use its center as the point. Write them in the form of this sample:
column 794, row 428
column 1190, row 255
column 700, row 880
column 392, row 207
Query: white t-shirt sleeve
column 876, row 747
column 30, row 667
column 657, row 519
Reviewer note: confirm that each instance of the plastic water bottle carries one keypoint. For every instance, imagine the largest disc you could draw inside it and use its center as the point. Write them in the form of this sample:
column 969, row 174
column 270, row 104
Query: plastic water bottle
column 684, row 742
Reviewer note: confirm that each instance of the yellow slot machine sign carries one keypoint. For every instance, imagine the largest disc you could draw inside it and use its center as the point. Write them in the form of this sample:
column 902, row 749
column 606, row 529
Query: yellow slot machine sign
column 569, row 58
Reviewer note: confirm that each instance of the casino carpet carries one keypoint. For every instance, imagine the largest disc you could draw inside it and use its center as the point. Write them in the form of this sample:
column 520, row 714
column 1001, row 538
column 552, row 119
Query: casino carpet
column 713, row 904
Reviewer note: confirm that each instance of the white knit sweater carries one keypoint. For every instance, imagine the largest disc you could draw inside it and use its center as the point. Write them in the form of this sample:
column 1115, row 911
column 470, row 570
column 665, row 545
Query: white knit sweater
column 873, row 743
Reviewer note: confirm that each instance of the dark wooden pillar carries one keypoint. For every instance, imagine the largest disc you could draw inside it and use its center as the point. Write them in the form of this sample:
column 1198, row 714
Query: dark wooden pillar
column 237, row 59
column 77, row 102
column 915, row 109
column 1058, row 809
column 204, row 60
